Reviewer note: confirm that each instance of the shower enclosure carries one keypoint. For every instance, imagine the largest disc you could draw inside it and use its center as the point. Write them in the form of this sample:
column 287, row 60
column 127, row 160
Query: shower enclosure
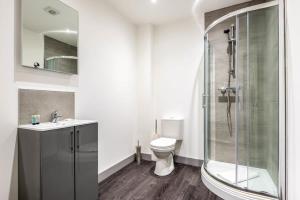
column 243, row 102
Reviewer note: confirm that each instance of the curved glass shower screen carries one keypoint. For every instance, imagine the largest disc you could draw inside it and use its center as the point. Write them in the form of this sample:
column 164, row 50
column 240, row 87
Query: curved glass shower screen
column 242, row 101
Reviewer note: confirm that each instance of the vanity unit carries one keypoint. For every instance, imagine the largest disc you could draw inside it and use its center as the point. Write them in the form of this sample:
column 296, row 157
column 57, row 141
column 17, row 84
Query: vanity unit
column 58, row 161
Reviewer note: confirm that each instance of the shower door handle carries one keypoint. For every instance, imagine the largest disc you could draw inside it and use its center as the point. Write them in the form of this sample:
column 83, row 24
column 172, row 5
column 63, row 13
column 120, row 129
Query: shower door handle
column 204, row 100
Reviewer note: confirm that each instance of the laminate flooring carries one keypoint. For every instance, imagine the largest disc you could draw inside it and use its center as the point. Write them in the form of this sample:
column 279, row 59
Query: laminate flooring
column 138, row 182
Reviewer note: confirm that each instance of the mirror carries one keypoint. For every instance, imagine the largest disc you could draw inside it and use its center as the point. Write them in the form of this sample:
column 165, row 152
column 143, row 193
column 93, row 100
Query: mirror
column 49, row 36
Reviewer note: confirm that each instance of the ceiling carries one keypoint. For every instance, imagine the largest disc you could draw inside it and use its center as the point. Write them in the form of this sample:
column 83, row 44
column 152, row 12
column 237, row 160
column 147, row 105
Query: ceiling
column 163, row 11
column 143, row 11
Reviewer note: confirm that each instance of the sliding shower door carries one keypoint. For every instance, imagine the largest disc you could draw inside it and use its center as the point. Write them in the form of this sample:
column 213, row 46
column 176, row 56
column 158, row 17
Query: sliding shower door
column 219, row 98
column 258, row 83
column 241, row 101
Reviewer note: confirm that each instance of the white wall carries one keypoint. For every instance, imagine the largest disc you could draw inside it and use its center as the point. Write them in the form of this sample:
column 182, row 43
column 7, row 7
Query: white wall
column 178, row 80
column 293, row 102
column 33, row 48
column 8, row 105
column 170, row 80
column 146, row 106
column 107, row 81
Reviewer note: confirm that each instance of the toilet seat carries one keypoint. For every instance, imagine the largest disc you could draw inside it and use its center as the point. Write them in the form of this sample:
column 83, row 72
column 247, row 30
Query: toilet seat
column 163, row 144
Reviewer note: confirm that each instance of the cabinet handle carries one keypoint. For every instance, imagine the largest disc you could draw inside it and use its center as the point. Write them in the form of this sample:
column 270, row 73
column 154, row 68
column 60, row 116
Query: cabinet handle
column 72, row 141
column 78, row 140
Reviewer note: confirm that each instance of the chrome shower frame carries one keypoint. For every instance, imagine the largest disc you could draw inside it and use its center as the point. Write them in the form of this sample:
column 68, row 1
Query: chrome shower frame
column 231, row 51
column 226, row 190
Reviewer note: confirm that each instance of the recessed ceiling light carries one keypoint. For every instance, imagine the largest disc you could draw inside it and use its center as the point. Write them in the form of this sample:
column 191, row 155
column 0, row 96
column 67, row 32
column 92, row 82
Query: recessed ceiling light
column 154, row 1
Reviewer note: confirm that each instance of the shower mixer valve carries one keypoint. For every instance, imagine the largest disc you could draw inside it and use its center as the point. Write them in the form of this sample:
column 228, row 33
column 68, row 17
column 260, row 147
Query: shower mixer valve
column 224, row 90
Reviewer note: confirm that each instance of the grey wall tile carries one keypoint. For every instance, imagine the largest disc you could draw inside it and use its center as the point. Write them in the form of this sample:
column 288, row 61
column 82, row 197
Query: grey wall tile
column 210, row 17
column 57, row 48
column 44, row 103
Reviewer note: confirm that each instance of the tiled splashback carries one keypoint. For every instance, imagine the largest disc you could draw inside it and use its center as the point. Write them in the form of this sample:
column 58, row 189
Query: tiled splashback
column 43, row 103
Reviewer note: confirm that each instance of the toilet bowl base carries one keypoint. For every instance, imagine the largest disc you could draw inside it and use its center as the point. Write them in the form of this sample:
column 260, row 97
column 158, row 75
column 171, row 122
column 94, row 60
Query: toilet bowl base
column 164, row 167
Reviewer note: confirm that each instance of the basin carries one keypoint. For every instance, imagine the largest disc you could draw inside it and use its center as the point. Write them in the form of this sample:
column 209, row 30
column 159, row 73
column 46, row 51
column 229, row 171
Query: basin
column 46, row 126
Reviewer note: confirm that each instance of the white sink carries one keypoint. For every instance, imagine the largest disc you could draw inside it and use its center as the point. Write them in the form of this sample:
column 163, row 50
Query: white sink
column 52, row 126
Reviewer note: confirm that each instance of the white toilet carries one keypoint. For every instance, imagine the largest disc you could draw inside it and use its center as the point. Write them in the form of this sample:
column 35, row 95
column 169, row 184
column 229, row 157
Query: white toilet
column 164, row 147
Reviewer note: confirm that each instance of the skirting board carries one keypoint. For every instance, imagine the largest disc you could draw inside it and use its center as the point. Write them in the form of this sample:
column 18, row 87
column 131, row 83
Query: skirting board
column 179, row 159
column 107, row 173
column 117, row 167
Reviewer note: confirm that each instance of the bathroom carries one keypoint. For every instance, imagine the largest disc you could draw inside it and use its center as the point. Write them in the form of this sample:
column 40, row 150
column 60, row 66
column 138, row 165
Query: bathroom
column 140, row 64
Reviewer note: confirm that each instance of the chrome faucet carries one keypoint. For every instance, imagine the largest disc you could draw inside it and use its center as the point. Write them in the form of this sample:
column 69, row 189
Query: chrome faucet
column 55, row 116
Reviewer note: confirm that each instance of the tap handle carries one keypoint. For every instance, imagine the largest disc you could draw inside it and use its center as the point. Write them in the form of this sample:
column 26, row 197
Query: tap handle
column 54, row 114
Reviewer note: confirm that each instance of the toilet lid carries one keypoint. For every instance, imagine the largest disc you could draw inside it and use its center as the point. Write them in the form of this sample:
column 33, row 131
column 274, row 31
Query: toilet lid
column 163, row 143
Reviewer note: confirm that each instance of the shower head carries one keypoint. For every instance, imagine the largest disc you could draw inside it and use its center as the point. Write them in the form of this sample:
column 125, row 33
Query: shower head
column 230, row 32
column 226, row 31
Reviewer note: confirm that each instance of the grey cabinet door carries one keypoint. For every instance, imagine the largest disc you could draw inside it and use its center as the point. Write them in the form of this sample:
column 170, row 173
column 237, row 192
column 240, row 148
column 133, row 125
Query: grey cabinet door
column 57, row 164
column 86, row 162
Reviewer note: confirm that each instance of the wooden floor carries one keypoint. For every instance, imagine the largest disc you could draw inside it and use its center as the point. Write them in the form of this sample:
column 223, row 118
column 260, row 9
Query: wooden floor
column 138, row 182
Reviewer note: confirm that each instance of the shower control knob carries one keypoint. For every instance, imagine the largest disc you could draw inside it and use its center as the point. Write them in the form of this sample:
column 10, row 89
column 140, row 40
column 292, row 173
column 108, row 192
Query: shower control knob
column 222, row 90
